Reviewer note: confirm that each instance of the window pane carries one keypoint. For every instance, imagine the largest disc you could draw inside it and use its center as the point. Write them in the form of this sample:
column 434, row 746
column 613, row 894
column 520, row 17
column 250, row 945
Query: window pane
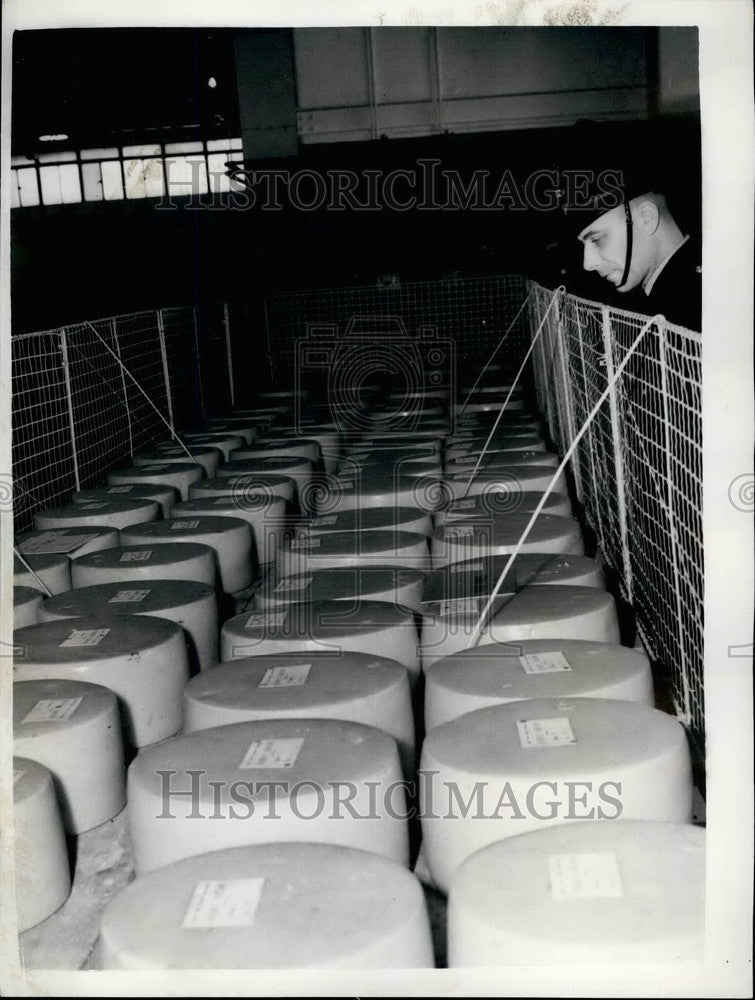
column 50, row 181
column 184, row 147
column 99, row 154
column 149, row 149
column 56, row 157
column 27, row 186
column 70, row 185
column 236, row 144
column 144, row 178
column 186, row 175
column 112, row 183
column 92, row 177
column 20, row 161
column 15, row 201
column 219, row 180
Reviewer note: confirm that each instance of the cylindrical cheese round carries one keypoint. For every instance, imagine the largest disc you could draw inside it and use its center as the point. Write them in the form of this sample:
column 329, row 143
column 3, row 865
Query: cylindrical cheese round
column 514, row 478
column 270, row 906
column 53, row 570
column 224, row 442
column 68, row 541
column 582, row 894
column 329, row 627
column 398, row 585
column 191, row 605
column 107, row 513
column 498, row 673
column 457, row 541
column 179, row 475
column 43, row 877
column 424, row 492
column 522, row 441
column 27, row 602
column 353, row 548
column 326, row 435
column 163, row 496
column 500, row 460
column 244, row 488
column 229, row 536
column 208, row 457
column 520, row 766
column 371, row 519
column 243, row 428
column 405, row 442
column 74, row 729
column 134, row 563
column 488, row 505
column 142, row 660
column 356, row 687
column 300, row 470
column 265, row 515
column 278, row 779
column 263, row 447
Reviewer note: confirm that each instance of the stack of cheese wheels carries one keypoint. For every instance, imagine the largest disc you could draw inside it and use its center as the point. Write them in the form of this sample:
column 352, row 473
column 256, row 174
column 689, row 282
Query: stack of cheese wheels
column 106, row 513
column 300, row 470
column 284, row 777
column 134, row 564
column 224, row 442
column 143, row 660
column 546, row 761
column 230, row 537
column 179, row 475
column 74, row 730
column 498, row 503
column 271, row 906
column 241, row 427
column 27, row 602
column 352, row 491
column 163, row 496
column 514, row 478
column 208, row 458
column 243, row 488
column 355, row 687
column 66, row 541
column 265, row 515
column 332, row 549
column 457, row 541
column 52, row 570
column 43, row 877
column 534, row 668
column 189, row 604
column 579, row 894
column 328, row 627
column 371, row 519
column 398, row 585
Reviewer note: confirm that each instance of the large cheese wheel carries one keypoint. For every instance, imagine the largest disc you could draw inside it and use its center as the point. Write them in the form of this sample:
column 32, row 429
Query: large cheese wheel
column 328, row 627
column 233, row 801
column 399, row 585
column 67, row 541
column 265, row 515
column 208, row 457
column 216, row 439
column 457, row 541
column 535, row 478
column 405, row 468
column 449, row 625
column 189, row 604
column 163, row 496
column 244, row 488
column 263, row 447
column 301, row 470
column 392, row 458
column 271, row 906
column 371, row 519
column 43, row 877
column 406, row 443
column 582, row 894
column 327, row 435
column 389, row 491
column 356, row 687
column 74, row 730
column 500, row 460
column 243, row 428
column 230, row 537
column 353, row 548
column 27, row 602
column 495, row 503
column 133, row 563
column 524, row 441
column 532, row 763
column 142, row 660
column 106, row 513
column 53, row 570
column 179, row 475
column 497, row 673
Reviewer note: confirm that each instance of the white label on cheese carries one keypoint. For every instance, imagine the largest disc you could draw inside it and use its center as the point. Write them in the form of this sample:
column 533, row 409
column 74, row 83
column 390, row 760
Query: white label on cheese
column 93, row 506
column 463, row 531
column 141, row 556
column 464, row 568
column 53, row 710
column 272, row 753
column 306, row 544
column 585, row 876
column 53, row 541
column 85, row 637
column 290, row 676
column 129, row 596
column 293, row 583
column 545, row 732
column 121, row 489
column 183, row 525
column 18, row 773
column 269, row 619
column 231, row 903
column 462, row 504
column 543, row 663
column 460, row 606
column 325, row 522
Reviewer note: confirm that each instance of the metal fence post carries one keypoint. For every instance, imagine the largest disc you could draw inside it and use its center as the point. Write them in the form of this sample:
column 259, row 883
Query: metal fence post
column 166, row 375
column 69, row 403
column 114, row 328
column 589, row 434
column 621, row 498
column 229, row 352
column 566, row 382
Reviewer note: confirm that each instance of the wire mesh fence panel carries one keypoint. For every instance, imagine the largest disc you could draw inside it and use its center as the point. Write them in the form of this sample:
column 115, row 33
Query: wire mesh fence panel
column 42, row 453
column 215, row 358
column 640, row 470
column 139, row 350
column 183, row 358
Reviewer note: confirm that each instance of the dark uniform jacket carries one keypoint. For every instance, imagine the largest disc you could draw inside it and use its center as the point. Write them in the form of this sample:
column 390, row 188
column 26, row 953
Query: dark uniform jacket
column 677, row 291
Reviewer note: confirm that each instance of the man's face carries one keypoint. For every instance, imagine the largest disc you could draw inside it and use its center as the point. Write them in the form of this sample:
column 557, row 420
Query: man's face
column 605, row 247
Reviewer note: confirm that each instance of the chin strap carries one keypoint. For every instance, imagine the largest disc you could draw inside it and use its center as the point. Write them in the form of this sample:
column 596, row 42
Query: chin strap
column 630, row 240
